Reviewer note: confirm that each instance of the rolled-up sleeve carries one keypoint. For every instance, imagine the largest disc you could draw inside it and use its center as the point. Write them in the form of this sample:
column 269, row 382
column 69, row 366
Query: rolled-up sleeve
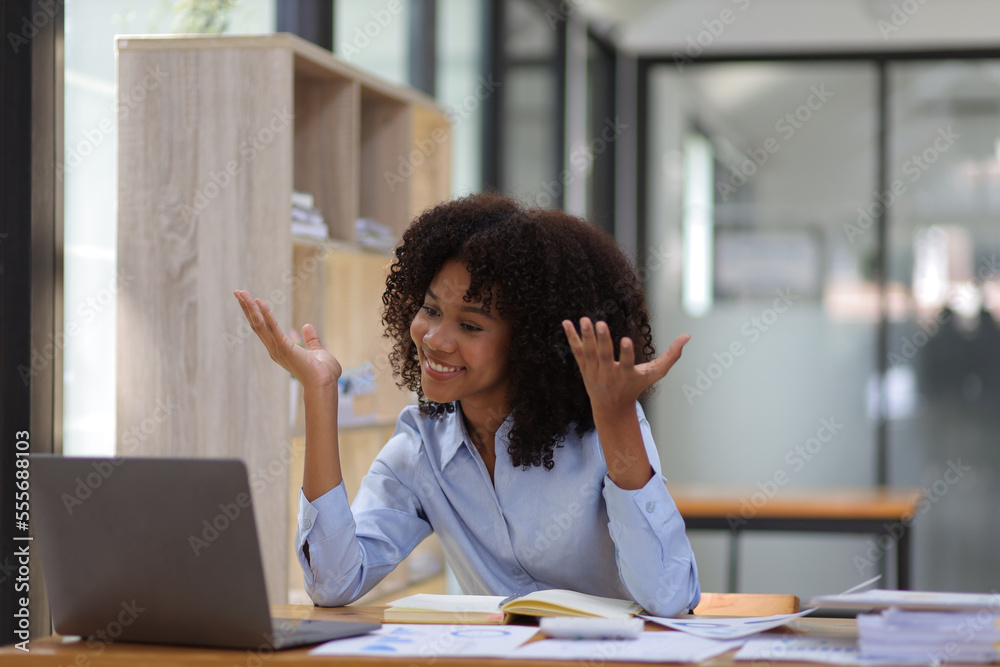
column 346, row 550
column 654, row 556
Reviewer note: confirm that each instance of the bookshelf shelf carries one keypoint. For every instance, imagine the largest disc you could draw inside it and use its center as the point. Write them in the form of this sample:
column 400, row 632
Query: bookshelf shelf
column 227, row 127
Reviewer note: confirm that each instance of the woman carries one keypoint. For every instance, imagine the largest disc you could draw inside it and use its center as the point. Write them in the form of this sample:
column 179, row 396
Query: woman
column 528, row 454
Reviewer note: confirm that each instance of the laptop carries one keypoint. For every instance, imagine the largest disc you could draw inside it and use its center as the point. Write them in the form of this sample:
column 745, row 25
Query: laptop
column 161, row 551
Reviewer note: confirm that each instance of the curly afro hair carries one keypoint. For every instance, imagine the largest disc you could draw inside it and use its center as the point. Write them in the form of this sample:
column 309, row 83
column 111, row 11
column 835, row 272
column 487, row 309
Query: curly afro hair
column 537, row 267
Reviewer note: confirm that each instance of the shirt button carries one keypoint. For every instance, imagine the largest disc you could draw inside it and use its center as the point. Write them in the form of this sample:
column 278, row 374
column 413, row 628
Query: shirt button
column 307, row 524
column 650, row 506
column 517, row 571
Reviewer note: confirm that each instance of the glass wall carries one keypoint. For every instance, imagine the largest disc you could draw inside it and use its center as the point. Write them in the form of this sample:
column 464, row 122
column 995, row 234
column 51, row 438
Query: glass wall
column 753, row 170
column 764, row 197
column 944, row 343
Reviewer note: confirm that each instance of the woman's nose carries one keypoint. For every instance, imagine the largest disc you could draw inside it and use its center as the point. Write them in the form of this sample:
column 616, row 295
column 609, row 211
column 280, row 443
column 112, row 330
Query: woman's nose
column 438, row 339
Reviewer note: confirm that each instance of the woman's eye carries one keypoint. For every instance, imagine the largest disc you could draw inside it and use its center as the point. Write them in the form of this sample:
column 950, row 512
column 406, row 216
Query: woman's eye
column 471, row 327
column 429, row 310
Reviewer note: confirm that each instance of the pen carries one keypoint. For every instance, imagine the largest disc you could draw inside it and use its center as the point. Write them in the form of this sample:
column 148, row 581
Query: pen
column 510, row 598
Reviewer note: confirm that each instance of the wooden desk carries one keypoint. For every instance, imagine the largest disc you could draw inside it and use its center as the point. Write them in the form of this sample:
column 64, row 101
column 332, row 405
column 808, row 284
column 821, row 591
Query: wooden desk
column 876, row 510
column 53, row 651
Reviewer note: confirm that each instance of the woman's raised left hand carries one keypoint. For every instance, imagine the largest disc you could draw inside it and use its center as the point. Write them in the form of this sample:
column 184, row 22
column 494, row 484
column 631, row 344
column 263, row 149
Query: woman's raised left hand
column 615, row 384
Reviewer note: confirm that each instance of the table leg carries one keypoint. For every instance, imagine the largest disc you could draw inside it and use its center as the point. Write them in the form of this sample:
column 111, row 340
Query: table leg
column 734, row 561
column 903, row 560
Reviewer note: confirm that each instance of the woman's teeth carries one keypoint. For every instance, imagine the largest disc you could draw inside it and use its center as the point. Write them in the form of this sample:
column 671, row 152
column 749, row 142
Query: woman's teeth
column 442, row 369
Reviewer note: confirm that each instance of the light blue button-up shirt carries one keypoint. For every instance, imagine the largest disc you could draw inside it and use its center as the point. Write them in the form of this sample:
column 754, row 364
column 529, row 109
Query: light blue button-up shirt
column 570, row 527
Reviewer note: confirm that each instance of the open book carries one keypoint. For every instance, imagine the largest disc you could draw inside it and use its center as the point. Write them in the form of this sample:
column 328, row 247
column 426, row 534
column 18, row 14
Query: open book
column 480, row 609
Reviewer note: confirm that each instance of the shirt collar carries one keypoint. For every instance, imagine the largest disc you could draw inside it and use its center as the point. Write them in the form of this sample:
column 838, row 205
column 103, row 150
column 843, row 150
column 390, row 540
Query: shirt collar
column 455, row 435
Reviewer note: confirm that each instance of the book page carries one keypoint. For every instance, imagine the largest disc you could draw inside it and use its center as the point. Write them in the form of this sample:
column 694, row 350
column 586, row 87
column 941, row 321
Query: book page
column 487, row 604
column 581, row 603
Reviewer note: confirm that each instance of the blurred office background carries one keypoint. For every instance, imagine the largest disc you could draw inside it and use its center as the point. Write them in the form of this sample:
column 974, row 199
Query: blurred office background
column 839, row 156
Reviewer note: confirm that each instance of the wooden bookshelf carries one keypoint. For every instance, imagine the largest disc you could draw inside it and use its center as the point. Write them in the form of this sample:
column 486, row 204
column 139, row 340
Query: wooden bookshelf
column 214, row 133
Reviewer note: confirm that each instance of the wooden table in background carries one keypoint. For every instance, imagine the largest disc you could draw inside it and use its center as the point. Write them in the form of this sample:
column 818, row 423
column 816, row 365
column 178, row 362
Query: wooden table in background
column 53, row 651
column 878, row 510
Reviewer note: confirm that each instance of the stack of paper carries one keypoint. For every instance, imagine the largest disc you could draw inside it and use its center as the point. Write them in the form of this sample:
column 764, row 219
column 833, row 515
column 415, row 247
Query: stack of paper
column 306, row 218
column 924, row 627
column 929, row 637
column 371, row 234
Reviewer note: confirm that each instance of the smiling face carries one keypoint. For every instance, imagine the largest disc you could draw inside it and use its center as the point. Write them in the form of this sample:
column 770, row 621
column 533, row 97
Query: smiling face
column 464, row 351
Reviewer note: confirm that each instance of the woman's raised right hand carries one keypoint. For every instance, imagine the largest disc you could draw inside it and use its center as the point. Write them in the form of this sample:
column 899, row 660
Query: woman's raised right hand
column 313, row 365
